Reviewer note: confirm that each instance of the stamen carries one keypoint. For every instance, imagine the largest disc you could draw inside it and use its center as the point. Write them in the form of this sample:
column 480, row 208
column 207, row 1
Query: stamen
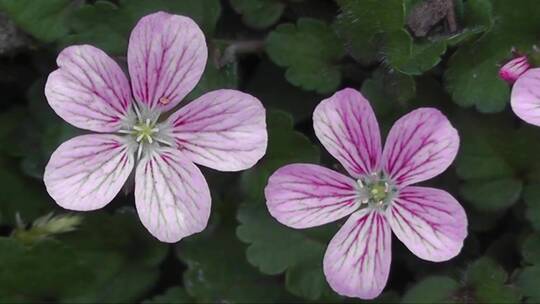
column 138, row 139
column 148, row 121
column 139, row 151
column 137, row 128
column 149, row 138
column 137, row 110
column 163, row 141
column 155, row 130
column 126, row 132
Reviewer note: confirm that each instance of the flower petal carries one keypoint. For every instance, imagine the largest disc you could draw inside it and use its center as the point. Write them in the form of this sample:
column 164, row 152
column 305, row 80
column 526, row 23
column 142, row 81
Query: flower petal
column 430, row 222
column 357, row 261
column 166, row 58
column 87, row 172
column 346, row 126
column 304, row 195
column 420, row 145
column 88, row 90
column 525, row 99
column 171, row 195
column 224, row 130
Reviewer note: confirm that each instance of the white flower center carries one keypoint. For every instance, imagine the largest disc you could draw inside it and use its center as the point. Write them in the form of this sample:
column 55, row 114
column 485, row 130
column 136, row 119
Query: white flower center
column 376, row 191
column 142, row 128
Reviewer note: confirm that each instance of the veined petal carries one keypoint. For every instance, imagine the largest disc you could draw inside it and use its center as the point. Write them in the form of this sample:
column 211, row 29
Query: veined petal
column 166, row 58
column 420, row 145
column 86, row 172
column 171, row 195
column 357, row 261
column 525, row 99
column 305, row 195
column 430, row 222
column 88, row 90
column 224, row 130
column 346, row 126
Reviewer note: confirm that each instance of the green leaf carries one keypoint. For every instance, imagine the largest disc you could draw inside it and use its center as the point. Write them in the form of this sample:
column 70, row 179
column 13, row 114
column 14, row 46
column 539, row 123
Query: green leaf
column 123, row 255
column 489, row 282
column 21, row 195
column 435, row 289
column 531, row 249
column 388, row 91
column 43, row 271
column 218, row 272
column 527, row 281
column 412, row 58
column 531, row 196
column 171, row 295
column 362, row 23
column 479, row 159
column 281, row 95
column 472, row 76
column 45, row 20
column 107, row 25
column 259, row 14
column 310, row 50
column 492, row 195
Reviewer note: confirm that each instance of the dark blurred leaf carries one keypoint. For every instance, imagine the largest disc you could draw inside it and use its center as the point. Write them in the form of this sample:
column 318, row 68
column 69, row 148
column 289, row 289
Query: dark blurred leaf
column 436, row 289
column 527, row 281
column 259, row 14
column 489, row 282
column 45, row 20
column 310, row 50
column 219, row 273
column 361, row 24
column 43, row 271
column 531, row 249
column 531, row 196
column 123, row 256
column 21, row 195
column 171, row 295
column 281, row 94
column 492, row 195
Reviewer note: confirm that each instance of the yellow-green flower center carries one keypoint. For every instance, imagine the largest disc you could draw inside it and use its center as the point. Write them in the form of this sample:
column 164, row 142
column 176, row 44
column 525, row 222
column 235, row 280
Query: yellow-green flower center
column 376, row 191
column 143, row 131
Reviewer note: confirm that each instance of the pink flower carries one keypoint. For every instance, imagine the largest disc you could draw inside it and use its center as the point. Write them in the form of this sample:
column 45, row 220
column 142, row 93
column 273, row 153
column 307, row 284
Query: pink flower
column 224, row 129
column 514, row 68
column 525, row 98
column 379, row 197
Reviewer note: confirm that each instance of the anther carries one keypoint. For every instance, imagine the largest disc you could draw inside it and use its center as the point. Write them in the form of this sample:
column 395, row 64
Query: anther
column 164, row 100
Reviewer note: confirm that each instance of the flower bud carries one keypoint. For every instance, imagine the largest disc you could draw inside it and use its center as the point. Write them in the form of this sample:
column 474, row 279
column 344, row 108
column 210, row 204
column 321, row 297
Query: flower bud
column 514, row 68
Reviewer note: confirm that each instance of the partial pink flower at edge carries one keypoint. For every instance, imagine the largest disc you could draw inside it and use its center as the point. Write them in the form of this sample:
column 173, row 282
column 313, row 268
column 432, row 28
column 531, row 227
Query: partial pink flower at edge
column 224, row 129
column 525, row 97
column 514, row 68
column 378, row 196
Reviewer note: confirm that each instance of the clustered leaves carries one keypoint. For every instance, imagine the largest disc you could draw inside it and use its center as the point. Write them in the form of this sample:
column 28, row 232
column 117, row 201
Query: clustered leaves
column 298, row 53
